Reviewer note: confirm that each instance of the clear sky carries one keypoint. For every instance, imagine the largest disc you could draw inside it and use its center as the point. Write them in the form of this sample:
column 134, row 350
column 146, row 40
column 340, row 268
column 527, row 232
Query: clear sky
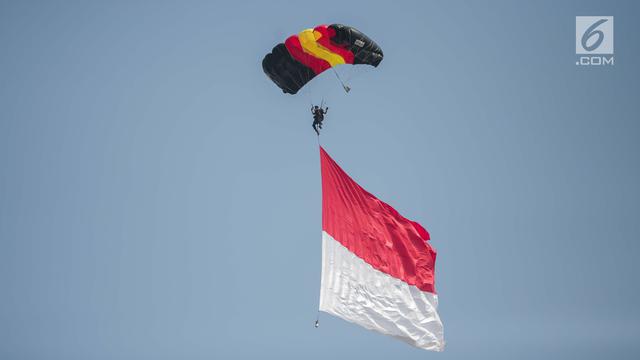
column 160, row 197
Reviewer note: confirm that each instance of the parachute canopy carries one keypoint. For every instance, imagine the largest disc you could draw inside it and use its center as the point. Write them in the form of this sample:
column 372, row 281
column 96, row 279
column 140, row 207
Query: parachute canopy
column 292, row 64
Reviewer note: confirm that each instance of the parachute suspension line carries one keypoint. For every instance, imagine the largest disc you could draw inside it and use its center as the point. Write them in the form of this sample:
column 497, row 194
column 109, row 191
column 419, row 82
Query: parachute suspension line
column 317, row 323
column 345, row 87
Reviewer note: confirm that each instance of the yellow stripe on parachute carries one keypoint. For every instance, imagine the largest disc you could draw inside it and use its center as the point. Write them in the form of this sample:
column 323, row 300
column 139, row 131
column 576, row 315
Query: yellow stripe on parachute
column 308, row 39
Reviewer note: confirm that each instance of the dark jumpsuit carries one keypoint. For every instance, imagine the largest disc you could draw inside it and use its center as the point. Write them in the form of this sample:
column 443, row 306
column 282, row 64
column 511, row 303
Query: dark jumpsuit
column 318, row 118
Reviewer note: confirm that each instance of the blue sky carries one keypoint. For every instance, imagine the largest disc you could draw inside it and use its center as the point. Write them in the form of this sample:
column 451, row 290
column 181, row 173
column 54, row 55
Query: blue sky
column 160, row 197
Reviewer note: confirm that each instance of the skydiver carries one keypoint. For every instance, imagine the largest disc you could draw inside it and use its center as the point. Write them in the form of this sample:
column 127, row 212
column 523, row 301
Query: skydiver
column 318, row 117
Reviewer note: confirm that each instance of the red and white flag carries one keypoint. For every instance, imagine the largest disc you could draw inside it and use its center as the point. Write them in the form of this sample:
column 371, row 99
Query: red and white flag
column 377, row 267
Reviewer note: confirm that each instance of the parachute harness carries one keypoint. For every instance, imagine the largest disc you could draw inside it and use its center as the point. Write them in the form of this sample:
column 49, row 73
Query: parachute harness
column 317, row 115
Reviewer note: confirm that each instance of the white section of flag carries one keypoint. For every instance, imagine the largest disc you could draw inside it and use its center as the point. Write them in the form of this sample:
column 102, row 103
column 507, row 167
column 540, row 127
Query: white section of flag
column 354, row 291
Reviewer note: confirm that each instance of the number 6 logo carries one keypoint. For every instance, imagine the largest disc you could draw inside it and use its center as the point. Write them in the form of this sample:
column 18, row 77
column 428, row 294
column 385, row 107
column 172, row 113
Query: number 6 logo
column 590, row 32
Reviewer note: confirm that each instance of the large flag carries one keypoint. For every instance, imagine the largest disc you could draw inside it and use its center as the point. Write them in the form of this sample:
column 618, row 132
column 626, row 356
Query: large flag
column 377, row 267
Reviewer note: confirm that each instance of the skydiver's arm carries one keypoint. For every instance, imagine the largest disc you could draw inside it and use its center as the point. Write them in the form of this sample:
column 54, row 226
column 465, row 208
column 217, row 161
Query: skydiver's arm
column 325, row 110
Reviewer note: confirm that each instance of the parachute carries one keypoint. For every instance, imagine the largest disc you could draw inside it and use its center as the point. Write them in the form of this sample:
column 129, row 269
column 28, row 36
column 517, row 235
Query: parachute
column 292, row 64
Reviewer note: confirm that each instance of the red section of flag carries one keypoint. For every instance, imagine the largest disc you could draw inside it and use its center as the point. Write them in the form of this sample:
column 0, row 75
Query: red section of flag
column 373, row 230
